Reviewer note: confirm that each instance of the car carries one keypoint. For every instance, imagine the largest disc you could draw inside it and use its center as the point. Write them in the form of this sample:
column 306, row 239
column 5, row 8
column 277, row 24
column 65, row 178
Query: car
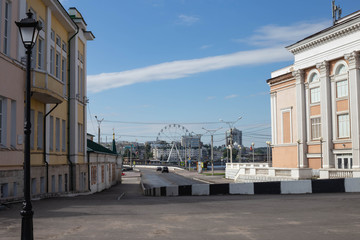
column 165, row 169
column 127, row 168
column 158, row 169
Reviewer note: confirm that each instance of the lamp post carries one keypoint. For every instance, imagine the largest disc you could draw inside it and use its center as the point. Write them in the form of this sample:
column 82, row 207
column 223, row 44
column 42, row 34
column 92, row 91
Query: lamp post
column 240, row 153
column 99, row 122
column 212, row 147
column 253, row 144
column 231, row 126
column 29, row 30
column 321, row 155
column 268, row 151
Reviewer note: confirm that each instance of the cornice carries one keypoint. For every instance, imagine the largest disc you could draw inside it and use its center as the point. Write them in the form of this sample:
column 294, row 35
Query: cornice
column 298, row 48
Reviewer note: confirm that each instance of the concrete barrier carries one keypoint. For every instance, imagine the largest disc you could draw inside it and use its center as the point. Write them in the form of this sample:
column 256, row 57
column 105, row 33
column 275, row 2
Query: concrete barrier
column 296, row 187
column 283, row 187
column 200, row 189
column 241, row 188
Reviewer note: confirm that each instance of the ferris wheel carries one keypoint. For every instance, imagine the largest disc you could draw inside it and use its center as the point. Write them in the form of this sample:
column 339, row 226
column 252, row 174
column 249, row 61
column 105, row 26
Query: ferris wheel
column 172, row 134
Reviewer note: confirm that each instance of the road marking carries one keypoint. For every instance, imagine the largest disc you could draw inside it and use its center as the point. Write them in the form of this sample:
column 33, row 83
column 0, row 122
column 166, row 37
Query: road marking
column 119, row 197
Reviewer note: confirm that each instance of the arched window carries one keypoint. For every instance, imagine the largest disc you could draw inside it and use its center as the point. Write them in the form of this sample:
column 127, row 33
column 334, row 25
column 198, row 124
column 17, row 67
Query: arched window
column 341, row 69
column 314, row 77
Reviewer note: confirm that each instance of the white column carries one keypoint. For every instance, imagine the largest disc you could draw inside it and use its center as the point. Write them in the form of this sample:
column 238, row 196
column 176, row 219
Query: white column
column 273, row 118
column 301, row 117
column 326, row 120
column 354, row 87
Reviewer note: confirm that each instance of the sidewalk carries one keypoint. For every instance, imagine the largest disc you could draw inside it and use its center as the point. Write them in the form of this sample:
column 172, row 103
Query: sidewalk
column 205, row 177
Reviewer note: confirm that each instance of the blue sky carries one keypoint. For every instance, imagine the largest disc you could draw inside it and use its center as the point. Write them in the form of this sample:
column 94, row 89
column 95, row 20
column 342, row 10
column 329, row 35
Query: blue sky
column 191, row 62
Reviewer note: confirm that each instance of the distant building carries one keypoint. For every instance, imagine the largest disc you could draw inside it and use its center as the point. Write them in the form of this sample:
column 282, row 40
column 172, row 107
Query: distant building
column 236, row 136
column 191, row 141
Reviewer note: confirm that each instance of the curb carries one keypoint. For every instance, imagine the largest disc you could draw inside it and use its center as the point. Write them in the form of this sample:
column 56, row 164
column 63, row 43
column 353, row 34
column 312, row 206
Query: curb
column 341, row 185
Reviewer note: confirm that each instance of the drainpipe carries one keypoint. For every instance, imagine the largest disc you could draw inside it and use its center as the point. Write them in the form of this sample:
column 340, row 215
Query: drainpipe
column 88, row 163
column 44, row 146
column 68, row 114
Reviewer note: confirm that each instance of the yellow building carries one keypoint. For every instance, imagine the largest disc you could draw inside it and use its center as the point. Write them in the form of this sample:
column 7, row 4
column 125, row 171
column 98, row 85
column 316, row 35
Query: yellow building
column 58, row 103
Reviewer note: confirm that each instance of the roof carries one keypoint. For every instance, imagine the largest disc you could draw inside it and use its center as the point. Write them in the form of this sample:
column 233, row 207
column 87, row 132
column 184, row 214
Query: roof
column 94, row 147
column 342, row 21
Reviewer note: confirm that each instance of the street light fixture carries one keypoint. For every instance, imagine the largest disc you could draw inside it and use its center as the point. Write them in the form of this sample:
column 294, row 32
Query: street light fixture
column 29, row 30
column 212, row 147
column 268, row 143
column 231, row 126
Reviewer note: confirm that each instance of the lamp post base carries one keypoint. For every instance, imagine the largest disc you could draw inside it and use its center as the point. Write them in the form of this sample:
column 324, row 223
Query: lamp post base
column 27, row 222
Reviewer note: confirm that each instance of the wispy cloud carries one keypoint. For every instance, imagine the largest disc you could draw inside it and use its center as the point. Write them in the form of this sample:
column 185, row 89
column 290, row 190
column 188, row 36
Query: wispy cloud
column 187, row 20
column 271, row 35
column 231, row 96
column 205, row 46
column 210, row 98
column 185, row 68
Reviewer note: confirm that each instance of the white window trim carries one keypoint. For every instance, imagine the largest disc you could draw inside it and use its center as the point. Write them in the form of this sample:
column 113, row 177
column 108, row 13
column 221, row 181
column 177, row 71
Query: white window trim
column 284, row 110
column 337, row 125
column 336, row 66
column 310, row 127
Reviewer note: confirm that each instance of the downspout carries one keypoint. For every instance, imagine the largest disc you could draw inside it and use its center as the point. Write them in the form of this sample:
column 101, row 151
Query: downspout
column 44, row 146
column 68, row 113
column 88, row 162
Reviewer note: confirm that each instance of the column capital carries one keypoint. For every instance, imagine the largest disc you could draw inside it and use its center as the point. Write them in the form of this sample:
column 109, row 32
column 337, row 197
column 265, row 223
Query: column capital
column 324, row 68
column 353, row 59
column 299, row 76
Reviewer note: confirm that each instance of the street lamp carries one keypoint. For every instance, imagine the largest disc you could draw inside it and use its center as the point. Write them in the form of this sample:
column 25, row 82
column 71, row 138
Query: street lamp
column 231, row 126
column 29, row 30
column 268, row 143
column 253, row 144
column 212, row 147
column 99, row 123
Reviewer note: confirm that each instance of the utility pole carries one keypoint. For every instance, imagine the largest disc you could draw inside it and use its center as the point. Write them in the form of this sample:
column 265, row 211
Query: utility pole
column 99, row 122
column 212, row 147
column 231, row 126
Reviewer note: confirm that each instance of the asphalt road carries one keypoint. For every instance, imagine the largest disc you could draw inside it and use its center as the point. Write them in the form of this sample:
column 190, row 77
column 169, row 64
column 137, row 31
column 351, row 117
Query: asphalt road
column 152, row 178
column 123, row 213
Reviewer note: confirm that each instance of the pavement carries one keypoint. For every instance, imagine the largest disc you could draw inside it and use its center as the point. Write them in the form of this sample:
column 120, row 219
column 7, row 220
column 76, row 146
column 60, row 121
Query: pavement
column 122, row 212
column 205, row 177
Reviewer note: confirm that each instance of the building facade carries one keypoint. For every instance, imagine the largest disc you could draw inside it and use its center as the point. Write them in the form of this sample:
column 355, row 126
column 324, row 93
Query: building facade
column 315, row 107
column 236, row 136
column 58, row 102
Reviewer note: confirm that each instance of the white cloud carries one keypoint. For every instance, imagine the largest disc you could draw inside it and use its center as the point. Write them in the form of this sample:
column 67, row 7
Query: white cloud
column 187, row 20
column 271, row 35
column 210, row 98
column 205, row 46
column 185, row 68
column 231, row 96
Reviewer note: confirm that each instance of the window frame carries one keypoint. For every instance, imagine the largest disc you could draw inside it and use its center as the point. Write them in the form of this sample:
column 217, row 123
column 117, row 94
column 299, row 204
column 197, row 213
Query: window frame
column 341, row 128
column 318, row 125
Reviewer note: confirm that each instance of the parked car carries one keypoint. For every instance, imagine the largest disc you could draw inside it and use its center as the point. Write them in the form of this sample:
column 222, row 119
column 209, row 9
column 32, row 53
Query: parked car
column 165, row 169
column 127, row 168
column 158, row 169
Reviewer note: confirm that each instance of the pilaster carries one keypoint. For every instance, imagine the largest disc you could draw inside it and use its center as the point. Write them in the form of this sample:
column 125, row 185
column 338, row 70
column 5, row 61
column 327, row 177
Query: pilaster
column 354, row 91
column 301, row 117
column 326, row 120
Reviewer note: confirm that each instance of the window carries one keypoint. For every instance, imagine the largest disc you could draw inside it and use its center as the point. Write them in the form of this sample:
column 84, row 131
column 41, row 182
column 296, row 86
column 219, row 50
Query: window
column 315, row 95
column 52, row 52
column 66, row 182
column 58, row 41
column 286, row 126
column 63, row 70
column 52, row 35
column 40, row 130
column 93, row 175
column 53, row 183
column 64, row 46
column 341, row 69
column 314, row 78
column 4, row 193
column 33, row 186
column 342, row 89
column 57, row 66
column 7, row 21
column 60, row 183
column 343, row 126
column 32, row 134
column 3, row 111
column 81, row 82
column 63, row 128
column 14, row 189
column 344, row 161
column 40, row 53
column 42, row 185
column 315, row 128
column 57, row 133
column 102, row 173
column 13, row 123
column 51, row 133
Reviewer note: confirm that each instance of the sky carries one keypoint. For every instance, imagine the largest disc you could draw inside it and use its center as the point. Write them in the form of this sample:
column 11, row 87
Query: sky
column 190, row 63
